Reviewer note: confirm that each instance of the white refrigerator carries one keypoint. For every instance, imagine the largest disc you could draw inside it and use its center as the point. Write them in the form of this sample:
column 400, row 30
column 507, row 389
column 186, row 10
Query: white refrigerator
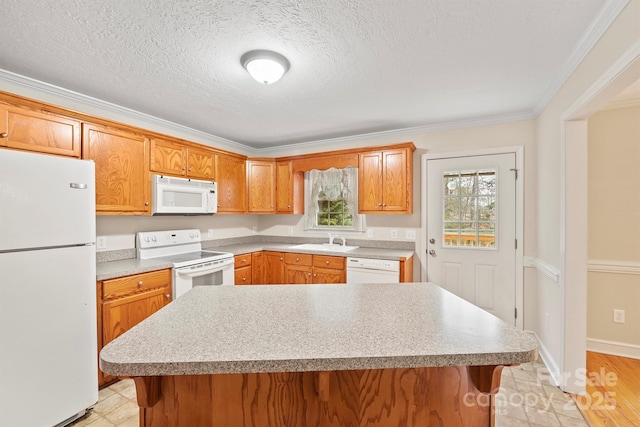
column 48, row 338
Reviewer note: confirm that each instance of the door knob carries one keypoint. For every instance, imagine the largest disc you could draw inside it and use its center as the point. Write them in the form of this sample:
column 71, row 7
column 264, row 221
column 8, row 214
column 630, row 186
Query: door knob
column 432, row 241
column 432, row 253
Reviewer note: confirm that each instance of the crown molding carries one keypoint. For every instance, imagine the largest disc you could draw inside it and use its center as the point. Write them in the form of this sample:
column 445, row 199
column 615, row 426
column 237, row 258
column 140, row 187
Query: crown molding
column 404, row 132
column 26, row 86
column 622, row 103
column 598, row 27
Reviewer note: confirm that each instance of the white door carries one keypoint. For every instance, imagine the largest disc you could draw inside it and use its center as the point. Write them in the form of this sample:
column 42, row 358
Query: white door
column 471, row 230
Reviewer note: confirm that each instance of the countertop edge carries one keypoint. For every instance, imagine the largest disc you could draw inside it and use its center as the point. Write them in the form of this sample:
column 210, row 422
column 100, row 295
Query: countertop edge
column 311, row 365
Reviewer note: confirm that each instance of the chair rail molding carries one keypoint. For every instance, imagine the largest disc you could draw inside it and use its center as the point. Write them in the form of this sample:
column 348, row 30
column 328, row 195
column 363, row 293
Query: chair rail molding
column 548, row 270
column 613, row 266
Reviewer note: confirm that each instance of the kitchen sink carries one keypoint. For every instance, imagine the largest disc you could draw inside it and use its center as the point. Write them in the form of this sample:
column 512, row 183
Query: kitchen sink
column 326, row 247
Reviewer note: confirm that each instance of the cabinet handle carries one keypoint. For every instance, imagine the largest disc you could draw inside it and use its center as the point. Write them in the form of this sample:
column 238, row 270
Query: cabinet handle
column 384, row 205
column 146, row 203
column 327, row 262
column 315, row 275
column 167, row 295
column 140, row 283
column 183, row 168
column 4, row 135
column 297, row 259
column 244, row 260
column 218, row 205
column 289, row 206
column 281, row 259
column 380, row 204
column 309, row 274
column 189, row 169
column 244, row 279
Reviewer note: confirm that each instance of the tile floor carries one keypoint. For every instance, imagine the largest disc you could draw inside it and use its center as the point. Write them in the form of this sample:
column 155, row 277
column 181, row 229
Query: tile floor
column 526, row 399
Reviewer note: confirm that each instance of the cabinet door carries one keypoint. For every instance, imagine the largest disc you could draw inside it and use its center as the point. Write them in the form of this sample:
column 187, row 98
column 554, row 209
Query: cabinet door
column 394, row 180
column 273, row 268
column 370, row 182
column 168, row 157
column 38, row 131
column 284, row 187
column 231, row 179
column 120, row 315
column 328, row 275
column 122, row 175
column 257, row 268
column 261, row 186
column 297, row 274
column 243, row 275
column 200, row 163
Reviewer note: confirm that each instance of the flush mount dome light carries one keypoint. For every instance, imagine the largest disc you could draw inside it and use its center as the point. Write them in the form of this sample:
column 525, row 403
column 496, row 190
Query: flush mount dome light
column 265, row 66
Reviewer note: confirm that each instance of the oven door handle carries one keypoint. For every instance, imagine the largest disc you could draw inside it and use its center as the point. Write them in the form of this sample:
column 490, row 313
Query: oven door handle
column 190, row 272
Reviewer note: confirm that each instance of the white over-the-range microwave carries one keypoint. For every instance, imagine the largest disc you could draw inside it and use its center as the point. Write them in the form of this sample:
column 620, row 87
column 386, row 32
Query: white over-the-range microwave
column 182, row 196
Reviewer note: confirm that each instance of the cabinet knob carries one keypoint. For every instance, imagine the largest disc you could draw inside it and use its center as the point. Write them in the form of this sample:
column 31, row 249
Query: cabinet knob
column 189, row 169
column 289, row 206
column 244, row 279
column 167, row 295
column 315, row 275
column 4, row 135
column 384, row 204
column 183, row 168
column 309, row 274
column 297, row 259
column 327, row 262
column 140, row 283
column 244, row 260
column 146, row 203
column 281, row 259
column 218, row 205
column 380, row 204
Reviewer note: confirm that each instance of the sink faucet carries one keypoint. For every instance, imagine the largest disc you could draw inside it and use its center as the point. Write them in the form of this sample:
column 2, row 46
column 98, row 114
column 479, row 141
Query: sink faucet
column 331, row 236
column 344, row 242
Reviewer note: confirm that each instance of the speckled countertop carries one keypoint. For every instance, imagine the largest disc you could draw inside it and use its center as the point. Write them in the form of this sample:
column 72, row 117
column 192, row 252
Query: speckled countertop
column 292, row 328
column 126, row 267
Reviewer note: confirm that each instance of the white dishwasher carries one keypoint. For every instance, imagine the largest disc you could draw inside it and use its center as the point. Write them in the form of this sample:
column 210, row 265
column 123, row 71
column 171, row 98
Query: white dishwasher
column 368, row 270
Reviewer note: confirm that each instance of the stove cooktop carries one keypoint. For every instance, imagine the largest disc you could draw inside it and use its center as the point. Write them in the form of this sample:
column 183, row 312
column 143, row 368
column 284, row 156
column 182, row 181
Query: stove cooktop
column 196, row 257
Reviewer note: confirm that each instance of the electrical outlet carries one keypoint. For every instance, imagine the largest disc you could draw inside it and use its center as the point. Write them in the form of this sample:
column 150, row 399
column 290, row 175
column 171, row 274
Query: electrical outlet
column 210, row 232
column 101, row 242
column 618, row 315
column 369, row 232
column 290, row 230
column 410, row 234
column 394, row 233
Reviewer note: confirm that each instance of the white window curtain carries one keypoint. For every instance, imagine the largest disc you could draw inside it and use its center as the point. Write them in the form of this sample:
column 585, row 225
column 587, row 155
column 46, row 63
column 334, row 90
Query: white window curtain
column 332, row 184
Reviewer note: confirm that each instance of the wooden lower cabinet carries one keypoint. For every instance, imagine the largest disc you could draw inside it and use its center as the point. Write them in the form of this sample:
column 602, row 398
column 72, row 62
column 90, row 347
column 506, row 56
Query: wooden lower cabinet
column 313, row 269
column 126, row 301
column 243, row 269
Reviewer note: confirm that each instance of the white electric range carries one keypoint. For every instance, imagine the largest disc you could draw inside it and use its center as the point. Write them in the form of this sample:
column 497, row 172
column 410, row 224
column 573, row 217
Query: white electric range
column 192, row 266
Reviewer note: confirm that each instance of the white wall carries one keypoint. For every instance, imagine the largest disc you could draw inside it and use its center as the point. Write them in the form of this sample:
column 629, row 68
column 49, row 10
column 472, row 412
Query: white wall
column 561, row 336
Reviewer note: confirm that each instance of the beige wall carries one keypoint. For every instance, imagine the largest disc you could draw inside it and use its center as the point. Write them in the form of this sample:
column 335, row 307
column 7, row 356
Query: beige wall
column 614, row 226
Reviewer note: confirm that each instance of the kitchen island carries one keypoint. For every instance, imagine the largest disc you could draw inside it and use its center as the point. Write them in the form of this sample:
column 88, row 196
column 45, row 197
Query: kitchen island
column 317, row 355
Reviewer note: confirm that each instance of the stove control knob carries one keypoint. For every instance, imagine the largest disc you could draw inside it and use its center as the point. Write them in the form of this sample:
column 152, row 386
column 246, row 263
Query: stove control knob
column 146, row 239
column 192, row 235
column 153, row 238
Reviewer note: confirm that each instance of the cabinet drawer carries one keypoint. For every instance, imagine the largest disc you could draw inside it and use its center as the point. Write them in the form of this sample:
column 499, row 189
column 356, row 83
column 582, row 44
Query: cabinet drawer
column 122, row 286
column 242, row 275
column 242, row 260
column 297, row 259
column 325, row 261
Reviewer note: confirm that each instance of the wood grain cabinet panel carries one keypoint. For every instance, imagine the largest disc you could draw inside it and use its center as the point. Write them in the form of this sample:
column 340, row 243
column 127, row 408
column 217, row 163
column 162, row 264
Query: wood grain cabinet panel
column 261, row 186
column 200, row 163
column 298, row 274
column 329, row 275
column 230, row 175
column 385, row 181
column 126, row 301
column 284, row 187
column 122, row 173
column 273, row 268
column 242, row 276
column 176, row 158
column 39, row 131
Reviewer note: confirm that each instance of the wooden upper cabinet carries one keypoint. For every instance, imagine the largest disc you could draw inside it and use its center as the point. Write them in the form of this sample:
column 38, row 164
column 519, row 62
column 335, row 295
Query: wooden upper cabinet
column 261, row 186
column 168, row 157
column 122, row 175
column 284, row 187
column 230, row 176
column 39, row 131
column 175, row 158
column 385, row 181
column 200, row 163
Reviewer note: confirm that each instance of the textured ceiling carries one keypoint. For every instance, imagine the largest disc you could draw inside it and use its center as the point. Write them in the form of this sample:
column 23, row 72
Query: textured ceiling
column 357, row 66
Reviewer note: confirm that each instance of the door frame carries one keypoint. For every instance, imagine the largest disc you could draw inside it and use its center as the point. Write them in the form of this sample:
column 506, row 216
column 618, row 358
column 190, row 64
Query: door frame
column 519, row 261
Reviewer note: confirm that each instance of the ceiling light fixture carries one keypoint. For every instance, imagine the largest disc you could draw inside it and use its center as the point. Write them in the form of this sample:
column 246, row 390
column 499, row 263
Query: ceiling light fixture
column 264, row 65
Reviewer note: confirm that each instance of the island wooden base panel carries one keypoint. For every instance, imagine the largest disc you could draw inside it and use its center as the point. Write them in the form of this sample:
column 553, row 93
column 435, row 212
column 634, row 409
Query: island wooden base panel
column 447, row 396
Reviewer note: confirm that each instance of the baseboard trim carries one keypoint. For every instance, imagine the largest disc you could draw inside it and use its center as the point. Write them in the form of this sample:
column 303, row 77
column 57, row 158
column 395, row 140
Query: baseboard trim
column 543, row 267
column 613, row 266
column 614, row 348
column 548, row 361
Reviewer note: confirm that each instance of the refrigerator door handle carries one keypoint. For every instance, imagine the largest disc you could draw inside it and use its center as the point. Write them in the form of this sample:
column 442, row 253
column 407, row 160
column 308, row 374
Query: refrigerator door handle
column 78, row 186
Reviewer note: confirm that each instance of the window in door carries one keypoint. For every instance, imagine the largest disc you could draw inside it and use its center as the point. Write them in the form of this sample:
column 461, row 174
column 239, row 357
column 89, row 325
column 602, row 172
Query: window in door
column 469, row 208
